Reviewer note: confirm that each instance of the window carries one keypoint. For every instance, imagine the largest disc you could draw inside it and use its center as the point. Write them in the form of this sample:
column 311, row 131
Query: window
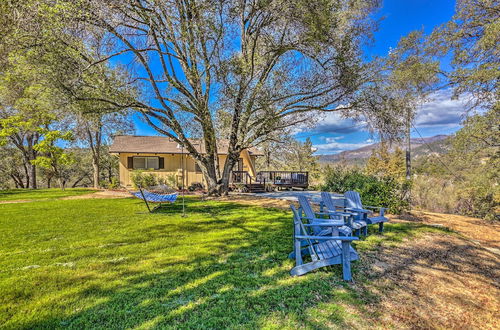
column 143, row 163
column 197, row 168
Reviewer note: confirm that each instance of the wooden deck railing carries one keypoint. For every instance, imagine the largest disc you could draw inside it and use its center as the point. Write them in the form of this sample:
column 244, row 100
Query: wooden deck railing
column 277, row 178
column 284, row 178
column 241, row 177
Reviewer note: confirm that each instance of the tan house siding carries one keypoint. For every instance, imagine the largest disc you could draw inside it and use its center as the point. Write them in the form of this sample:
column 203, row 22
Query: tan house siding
column 173, row 166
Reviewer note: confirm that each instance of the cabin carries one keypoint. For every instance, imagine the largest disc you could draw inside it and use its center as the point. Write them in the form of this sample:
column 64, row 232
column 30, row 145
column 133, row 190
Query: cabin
column 163, row 157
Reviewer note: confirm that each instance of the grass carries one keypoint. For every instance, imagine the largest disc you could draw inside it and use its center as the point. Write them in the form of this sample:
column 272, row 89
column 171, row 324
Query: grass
column 107, row 263
column 41, row 194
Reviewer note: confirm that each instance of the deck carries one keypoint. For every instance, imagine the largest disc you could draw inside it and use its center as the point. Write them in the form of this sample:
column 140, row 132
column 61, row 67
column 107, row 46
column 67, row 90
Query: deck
column 274, row 179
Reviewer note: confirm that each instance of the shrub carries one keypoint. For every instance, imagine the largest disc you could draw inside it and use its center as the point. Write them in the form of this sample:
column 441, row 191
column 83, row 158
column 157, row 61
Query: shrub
column 477, row 198
column 114, row 184
column 143, row 180
column 196, row 186
column 386, row 191
column 434, row 194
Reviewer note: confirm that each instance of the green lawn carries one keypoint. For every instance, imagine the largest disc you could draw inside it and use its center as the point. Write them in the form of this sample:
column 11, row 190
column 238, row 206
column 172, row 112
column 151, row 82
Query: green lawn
column 107, row 263
column 39, row 194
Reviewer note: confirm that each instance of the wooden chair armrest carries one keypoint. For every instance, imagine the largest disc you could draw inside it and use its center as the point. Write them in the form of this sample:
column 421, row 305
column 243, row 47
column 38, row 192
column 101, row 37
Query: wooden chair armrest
column 340, row 213
column 322, row 213
column 353, row 209
column 324, row 224
column 327, row 238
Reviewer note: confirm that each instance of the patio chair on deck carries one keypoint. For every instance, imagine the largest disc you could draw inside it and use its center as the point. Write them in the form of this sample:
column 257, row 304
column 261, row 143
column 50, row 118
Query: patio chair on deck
column 323, row 250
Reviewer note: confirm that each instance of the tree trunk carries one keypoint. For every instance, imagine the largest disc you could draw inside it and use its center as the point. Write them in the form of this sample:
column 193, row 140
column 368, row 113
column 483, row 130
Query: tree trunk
column 96, row 174
column 75, row 184
column 31, row 174
column 231, row 161
column 95, row 141
column 209, row 171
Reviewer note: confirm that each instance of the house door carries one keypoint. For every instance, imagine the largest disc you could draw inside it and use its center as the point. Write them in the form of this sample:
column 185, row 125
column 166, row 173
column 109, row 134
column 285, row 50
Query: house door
column 240, row 164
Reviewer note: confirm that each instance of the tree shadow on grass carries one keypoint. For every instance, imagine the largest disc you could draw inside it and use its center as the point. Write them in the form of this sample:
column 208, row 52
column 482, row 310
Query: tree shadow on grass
column 233, row 273
column 238, row 280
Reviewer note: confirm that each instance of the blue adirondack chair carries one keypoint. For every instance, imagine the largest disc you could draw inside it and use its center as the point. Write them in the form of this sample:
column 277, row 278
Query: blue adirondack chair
column 338, row 224
column 358, row 225
column 354, row 204
column 322, row 250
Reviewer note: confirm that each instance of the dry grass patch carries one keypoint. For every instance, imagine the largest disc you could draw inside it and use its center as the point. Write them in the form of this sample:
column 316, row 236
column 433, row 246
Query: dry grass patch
column 438, row 281
column 486, row 233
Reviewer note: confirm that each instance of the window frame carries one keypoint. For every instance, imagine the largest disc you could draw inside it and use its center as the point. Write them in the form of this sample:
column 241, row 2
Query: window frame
column 146, row 163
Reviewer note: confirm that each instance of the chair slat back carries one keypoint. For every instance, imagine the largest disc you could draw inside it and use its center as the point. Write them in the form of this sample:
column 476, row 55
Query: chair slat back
column 306, row 207
column 300, row 229
column 353, row 199
column 328, row 201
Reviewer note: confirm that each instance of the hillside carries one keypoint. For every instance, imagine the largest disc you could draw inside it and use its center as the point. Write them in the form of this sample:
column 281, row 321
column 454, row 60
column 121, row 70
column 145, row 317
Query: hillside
column 419, row 146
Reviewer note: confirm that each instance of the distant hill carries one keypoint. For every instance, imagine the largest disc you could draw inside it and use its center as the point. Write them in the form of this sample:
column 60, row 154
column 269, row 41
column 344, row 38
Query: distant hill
column 419, row 147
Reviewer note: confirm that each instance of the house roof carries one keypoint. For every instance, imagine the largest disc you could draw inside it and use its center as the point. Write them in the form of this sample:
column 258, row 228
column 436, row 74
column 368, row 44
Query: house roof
column 162, row 145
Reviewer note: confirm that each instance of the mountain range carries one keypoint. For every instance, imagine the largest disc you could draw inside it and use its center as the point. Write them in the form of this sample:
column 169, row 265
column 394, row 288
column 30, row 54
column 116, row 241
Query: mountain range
column 419, row 146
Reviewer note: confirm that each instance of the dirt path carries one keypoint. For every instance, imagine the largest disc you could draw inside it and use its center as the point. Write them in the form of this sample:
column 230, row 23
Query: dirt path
column 16, row 201
column 101, row 194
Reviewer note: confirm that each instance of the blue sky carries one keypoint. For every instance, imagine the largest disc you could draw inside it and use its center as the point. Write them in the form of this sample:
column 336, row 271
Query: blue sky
column 334, row 134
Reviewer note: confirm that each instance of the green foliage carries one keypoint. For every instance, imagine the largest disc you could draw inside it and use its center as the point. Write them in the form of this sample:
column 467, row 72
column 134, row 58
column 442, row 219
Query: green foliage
column 383, row 163
column 171, row 180
column 113, row 184
column 143, row 180
column 376, row 191
column 465, row 180
column 53, row 154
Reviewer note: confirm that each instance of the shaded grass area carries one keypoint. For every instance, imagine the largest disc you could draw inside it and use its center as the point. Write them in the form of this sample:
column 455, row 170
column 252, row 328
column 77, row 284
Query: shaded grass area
column 110, row 264
column 40, row 194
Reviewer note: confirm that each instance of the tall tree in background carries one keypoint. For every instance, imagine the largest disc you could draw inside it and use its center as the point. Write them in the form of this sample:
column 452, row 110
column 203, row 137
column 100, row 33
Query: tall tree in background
column 256, row 66
column 288, row 153
column 472, row 38
column 95, row 130
column 28, row 107
column 41, row 71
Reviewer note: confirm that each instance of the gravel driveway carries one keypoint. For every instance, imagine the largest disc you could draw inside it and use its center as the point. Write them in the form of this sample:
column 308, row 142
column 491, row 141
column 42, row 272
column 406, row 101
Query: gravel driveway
column 314, row 196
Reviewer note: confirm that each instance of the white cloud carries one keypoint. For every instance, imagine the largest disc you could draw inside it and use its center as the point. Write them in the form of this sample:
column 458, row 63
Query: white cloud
column 333, row 122
column 441, row 111
column 335, row 147
column 332, row 139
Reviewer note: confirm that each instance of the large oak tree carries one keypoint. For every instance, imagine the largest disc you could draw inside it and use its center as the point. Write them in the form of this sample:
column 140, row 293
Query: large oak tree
column 252, row 66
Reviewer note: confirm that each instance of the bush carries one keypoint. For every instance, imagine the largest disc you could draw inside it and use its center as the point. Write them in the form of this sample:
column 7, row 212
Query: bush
column 434, row 194
column 114, row 184
column 477, row 198
column 196, row 186
column 386, row 192
column 143, row 180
